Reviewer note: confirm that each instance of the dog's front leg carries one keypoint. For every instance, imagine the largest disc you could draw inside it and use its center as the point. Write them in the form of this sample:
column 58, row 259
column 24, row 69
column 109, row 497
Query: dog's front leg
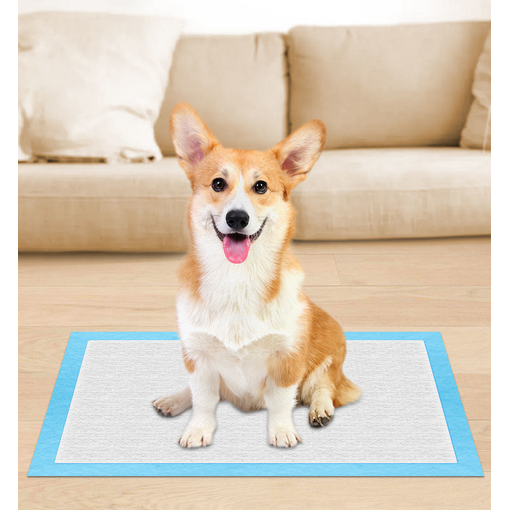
column 280, row 402
column 205, row 390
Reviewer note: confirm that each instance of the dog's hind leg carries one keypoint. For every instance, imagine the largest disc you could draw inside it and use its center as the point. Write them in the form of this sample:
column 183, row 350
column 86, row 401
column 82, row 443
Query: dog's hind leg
column 332, row 389
column 174, row 404
column 346, row 392
column 321, row 403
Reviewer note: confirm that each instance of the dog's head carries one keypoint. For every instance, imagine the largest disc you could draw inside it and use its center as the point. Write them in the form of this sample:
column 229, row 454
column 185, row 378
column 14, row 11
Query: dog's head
column 241, row 196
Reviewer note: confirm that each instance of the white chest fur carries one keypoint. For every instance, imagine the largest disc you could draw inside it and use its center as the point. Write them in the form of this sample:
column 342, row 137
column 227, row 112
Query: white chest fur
column 233, row 325
column 233, row 304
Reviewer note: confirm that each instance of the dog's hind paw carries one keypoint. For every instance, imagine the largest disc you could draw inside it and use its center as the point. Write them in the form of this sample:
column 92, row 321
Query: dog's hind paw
column 321, row 416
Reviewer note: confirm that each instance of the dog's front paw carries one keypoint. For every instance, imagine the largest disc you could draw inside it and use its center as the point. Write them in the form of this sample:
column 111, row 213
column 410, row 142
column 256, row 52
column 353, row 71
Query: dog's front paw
column 195, row 437
column 283, row 437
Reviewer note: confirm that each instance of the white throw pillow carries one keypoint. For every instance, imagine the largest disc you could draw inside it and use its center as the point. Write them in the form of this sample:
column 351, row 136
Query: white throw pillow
column 91, row 84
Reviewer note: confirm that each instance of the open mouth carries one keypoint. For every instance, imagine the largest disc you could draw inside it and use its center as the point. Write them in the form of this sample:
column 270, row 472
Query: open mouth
column 236, row 245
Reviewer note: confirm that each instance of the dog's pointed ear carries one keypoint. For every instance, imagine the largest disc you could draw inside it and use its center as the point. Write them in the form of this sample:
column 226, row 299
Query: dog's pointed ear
column 297, row 153
column 192, row 139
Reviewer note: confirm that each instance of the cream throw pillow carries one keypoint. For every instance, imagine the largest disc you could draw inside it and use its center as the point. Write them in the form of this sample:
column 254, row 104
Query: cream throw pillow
column 23, row 155
column 91, row 84
column 477, row 130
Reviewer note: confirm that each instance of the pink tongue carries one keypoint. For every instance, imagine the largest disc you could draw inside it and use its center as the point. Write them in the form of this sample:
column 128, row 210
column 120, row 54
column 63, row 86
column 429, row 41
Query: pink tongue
column 236, row 250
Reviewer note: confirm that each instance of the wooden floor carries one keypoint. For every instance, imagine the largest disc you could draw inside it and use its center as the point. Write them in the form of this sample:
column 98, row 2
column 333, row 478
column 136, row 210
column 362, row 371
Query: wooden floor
column 416, row 285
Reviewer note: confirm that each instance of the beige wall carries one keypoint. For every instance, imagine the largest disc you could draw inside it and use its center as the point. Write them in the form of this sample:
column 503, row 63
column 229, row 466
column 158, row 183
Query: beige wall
column 233, row 16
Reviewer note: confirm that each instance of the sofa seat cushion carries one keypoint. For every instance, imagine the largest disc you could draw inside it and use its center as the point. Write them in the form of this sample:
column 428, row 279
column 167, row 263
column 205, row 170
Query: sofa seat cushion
column 117, row 207
column 395, row 193
column 349, row 194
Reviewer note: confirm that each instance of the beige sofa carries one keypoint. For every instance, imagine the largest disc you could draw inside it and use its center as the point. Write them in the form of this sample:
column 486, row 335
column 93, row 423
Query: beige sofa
column 394, row 100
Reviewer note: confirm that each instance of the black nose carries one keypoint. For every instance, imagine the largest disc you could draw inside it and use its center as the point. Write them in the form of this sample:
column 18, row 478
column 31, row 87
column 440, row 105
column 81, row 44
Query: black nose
column 237, row 219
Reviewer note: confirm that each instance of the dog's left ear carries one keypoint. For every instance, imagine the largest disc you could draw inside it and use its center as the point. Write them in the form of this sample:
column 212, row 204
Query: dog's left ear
column 297, row 153
column 192, row 139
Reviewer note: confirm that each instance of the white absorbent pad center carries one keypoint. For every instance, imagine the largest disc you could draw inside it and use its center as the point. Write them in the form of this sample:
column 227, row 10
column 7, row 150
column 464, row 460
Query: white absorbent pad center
column 399, row 418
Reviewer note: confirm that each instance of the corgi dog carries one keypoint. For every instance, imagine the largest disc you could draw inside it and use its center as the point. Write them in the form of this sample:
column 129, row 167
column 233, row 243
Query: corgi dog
column 249, row 334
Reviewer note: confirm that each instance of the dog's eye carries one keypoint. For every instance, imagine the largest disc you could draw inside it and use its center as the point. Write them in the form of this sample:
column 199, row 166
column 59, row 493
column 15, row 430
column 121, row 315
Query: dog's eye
column 218, row 185
column 260, row 187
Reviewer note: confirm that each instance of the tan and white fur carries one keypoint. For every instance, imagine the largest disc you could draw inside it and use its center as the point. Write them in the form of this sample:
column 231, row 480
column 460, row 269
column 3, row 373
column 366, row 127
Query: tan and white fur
column 249, row 334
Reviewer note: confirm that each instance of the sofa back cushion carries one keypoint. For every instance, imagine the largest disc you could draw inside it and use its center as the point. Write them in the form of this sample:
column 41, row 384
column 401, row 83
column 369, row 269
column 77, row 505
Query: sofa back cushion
column 238, row 85
column 403, row 85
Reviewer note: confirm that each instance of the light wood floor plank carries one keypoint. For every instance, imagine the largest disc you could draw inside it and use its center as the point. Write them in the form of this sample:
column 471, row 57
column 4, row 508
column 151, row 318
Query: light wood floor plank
column 481, row 431
column 135, row 270
column 475, row 392
column 402, row 306
column 159, row 270
column 110, row 269
column 98, row 269
column 353, row 306
column 455, row 245
column 109, row 307
column 413, row 269
column 41, row 348
column 254, row 493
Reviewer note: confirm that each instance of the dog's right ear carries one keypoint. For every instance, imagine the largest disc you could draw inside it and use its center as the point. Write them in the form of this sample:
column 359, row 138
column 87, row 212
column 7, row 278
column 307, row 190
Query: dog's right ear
column 192, row 139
